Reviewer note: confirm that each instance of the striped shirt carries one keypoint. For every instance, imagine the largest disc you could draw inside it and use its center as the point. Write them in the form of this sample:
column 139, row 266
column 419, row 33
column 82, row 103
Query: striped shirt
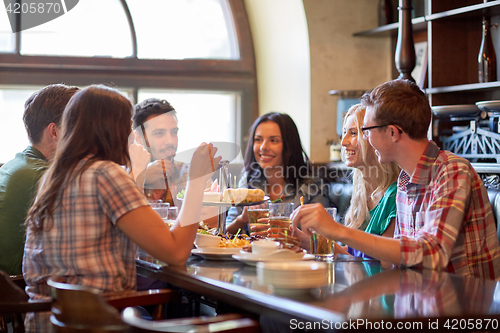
column 81, row 241
column 444, row 218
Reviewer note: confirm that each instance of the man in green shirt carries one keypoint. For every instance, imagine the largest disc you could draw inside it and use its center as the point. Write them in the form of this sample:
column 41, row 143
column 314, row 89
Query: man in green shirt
column 19, row 177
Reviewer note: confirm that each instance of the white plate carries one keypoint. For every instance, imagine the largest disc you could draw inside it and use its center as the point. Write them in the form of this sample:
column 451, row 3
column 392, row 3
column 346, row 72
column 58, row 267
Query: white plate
column 489, row 106
column 227, row 204
column 449, row 111
column 278, row 256
column 216, row 253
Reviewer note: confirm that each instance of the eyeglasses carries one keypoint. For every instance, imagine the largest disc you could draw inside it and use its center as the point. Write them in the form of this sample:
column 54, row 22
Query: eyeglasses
column 366, row 130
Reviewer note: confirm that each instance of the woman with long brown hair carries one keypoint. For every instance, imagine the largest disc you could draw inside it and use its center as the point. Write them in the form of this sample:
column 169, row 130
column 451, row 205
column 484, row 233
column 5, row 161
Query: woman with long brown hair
column 89, row 214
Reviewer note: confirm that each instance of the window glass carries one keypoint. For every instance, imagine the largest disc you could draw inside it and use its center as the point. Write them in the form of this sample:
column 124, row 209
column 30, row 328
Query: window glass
column 203, row 116
column 13, row 134
column 92, row 28
column 7, row 38
column 181, row 29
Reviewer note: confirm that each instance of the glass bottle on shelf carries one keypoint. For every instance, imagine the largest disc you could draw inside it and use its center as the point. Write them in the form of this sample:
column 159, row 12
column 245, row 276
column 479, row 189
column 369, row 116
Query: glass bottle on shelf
column 487, row 60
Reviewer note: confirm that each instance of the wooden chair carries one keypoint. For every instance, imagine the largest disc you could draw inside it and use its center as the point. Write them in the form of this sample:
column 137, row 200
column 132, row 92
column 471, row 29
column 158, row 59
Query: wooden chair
column 14, row 302
column 81, row 309
column 226, row 323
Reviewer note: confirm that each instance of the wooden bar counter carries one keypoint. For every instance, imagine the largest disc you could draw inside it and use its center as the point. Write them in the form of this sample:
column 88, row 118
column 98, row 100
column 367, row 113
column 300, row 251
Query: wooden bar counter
column 360, row 293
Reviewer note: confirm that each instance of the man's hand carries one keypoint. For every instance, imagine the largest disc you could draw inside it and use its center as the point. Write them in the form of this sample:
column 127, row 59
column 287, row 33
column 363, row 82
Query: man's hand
column 153, row 174
column 314, row 217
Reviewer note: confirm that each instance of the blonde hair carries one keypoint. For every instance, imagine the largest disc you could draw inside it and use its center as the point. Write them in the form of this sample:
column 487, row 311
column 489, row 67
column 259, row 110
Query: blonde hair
column 382, row 175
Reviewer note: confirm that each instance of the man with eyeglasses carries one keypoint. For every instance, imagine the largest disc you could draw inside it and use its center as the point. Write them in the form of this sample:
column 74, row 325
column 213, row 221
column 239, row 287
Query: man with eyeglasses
column 444, row 218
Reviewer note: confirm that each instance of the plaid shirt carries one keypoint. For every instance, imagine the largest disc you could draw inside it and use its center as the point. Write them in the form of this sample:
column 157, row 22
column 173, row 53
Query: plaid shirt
column 81, row 241
column 444, row 219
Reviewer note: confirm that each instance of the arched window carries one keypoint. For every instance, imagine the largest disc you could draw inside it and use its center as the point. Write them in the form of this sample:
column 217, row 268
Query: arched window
column 198, row 54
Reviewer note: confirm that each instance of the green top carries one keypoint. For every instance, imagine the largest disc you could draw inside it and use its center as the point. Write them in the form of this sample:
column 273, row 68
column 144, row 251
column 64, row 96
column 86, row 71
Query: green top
column 18, row 186
column 381, row 215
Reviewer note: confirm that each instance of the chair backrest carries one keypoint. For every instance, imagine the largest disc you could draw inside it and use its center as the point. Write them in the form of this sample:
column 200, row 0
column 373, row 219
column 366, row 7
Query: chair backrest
column 18, row 281
column 78, row 308
column 11, row 296
column 14, row 301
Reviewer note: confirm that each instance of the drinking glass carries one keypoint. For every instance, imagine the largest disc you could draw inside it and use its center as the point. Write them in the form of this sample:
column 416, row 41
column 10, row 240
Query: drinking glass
column 172, row 213
column 258, row 212
column 322, row 247
column 161, row 208
column 279, row 218
column 332, row 212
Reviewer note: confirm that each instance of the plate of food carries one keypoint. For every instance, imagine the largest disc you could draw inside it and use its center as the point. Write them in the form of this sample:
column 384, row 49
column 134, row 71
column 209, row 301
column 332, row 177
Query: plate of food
column 216, row 253
column 456, row 111
column 226, row 246
column 489, row 106
column 232, row 197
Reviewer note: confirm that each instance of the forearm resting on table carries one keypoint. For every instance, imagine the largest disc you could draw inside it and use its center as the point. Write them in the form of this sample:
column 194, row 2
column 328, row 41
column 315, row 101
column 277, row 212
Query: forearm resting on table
column 382, row 248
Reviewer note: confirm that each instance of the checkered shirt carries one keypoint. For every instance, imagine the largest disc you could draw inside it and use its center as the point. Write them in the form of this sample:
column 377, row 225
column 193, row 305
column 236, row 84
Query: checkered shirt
column 81, row 241
column 444, row 218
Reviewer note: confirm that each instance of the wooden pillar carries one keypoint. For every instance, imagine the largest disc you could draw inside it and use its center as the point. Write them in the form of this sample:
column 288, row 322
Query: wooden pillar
column 405, row 48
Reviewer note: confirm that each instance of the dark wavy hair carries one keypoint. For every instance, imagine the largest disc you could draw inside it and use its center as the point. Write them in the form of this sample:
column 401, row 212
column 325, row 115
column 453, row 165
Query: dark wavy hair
column 151, row 107
column 44, row 107
column 294, row 157
column 95, row 123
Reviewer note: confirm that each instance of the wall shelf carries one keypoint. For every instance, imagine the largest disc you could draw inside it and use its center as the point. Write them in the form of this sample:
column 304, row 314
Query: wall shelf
column 463, row 87
column 453, row 31
column 391, row 30
column 491, row 8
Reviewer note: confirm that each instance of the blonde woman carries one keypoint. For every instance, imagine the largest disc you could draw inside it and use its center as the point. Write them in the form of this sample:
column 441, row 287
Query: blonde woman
column 373, row 201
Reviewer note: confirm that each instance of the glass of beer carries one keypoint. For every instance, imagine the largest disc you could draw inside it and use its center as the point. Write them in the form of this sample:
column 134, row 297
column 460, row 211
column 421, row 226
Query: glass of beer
column 279, row 219
column 258, row 212
column 322, row 247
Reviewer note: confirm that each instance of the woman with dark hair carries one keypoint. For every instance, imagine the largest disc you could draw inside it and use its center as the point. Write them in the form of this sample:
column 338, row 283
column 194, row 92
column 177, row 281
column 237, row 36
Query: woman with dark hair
column 89, row 214
column 276, row 163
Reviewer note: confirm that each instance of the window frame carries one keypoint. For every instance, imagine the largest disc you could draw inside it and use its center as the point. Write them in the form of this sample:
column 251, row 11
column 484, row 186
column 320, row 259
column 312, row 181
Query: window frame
column 237, row 75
